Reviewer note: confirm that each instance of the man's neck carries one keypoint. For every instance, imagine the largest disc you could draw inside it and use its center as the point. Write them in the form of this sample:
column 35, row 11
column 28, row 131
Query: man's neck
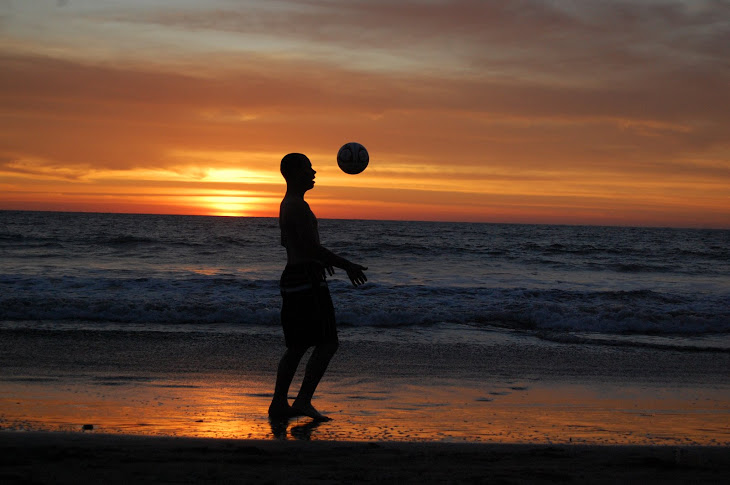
column 293, row 191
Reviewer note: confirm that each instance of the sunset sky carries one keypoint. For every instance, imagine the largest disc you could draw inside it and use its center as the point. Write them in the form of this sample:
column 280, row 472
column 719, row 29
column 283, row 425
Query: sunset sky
column 539, row 111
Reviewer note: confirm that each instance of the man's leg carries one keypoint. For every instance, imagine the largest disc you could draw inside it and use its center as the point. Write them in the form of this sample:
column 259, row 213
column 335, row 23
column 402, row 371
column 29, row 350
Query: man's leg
column 313, row 373
column 288, row 364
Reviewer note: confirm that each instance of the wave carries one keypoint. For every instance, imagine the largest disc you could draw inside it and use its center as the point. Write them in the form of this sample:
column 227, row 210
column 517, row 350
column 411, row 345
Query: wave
column 125, row 240
column 614, row 312
column 216, row 299
column 640, row 268
column 692, row 344
column 139, row 301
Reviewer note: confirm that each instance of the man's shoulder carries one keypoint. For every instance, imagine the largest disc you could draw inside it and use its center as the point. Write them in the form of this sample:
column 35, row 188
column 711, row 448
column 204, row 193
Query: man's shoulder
column 290, row 203
column 294, row 209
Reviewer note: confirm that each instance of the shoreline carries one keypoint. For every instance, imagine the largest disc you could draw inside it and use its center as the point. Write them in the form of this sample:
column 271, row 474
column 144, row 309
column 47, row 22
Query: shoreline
column 36, row 457
column 504, row 390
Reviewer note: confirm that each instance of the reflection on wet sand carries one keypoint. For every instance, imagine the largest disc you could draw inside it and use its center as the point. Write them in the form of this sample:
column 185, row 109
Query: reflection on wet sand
column 293, row 428
column 365, row 410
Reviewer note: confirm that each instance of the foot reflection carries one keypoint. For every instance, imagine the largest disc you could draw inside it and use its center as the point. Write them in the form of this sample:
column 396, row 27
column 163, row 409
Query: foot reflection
column 304, row 431
column 280, row 426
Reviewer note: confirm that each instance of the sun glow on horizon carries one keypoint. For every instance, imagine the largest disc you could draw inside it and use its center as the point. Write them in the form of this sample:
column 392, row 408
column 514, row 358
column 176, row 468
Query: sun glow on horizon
column 232, row 205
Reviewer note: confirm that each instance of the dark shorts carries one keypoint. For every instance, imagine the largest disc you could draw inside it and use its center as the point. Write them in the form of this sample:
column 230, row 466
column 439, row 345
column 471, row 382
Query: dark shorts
column 307, row 313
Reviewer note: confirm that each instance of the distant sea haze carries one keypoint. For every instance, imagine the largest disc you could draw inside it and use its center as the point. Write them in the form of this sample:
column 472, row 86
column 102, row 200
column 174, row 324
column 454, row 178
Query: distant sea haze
column 602, row 285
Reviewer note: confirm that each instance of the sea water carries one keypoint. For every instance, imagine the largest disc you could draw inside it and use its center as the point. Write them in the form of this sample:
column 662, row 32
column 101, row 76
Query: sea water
column 439, row 280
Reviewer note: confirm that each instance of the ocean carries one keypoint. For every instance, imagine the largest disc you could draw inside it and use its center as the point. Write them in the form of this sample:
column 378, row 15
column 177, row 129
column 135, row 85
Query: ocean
column 427, row 281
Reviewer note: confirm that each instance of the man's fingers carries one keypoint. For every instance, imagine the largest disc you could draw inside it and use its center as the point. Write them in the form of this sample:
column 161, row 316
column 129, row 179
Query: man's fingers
column 357, row 277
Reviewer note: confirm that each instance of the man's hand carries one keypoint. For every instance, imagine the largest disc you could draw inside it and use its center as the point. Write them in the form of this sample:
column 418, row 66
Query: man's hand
column 355, row 273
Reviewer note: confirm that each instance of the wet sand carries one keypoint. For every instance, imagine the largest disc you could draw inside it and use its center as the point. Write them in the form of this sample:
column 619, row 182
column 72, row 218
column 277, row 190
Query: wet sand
column 71, row 458
column 505, row 389
column 444, row 410
column 174, row 407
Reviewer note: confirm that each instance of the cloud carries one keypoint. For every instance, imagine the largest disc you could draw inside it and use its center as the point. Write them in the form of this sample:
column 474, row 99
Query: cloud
column 558, row 41
column 93, row 117
column 39, row 169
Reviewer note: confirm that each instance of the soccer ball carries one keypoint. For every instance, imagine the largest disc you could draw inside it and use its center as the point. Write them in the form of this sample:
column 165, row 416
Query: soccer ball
column 352, row 158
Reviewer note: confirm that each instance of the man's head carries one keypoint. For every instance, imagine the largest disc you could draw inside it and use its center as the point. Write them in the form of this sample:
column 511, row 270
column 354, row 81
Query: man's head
column 292, row 163
column 297, row 170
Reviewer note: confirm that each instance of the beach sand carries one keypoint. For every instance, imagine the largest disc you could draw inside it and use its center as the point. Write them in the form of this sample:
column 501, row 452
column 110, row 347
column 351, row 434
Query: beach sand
column 72, row 458
column 176, row 407
column 506, row 389
column 503, row 411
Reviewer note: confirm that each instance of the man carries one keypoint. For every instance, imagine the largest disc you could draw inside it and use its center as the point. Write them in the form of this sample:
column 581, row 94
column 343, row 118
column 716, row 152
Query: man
column 307, row 314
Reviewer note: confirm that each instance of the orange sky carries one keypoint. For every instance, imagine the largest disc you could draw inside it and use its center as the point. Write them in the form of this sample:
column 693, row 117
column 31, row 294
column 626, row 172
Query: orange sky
column 555, row 111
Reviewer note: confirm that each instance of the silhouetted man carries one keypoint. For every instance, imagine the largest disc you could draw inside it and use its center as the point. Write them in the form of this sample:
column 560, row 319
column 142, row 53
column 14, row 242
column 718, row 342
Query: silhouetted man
column 307, row 314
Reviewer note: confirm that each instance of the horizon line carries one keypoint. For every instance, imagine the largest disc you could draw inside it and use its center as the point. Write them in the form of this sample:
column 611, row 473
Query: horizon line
column 627, row 226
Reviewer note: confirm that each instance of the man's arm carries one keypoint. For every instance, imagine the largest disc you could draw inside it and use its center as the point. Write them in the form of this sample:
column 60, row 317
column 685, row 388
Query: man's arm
column 354, row 271
column 303, row 240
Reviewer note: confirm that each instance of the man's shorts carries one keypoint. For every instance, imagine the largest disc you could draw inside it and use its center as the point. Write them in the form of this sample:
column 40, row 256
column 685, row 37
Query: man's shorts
column 307, row 313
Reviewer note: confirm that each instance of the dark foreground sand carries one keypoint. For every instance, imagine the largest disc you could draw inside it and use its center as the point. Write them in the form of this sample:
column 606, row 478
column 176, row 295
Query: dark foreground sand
column 59, row 458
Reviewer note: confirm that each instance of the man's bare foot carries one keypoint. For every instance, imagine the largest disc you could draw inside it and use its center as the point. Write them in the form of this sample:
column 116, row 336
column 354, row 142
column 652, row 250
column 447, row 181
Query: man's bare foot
column 280, row 410
column 309, row 411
